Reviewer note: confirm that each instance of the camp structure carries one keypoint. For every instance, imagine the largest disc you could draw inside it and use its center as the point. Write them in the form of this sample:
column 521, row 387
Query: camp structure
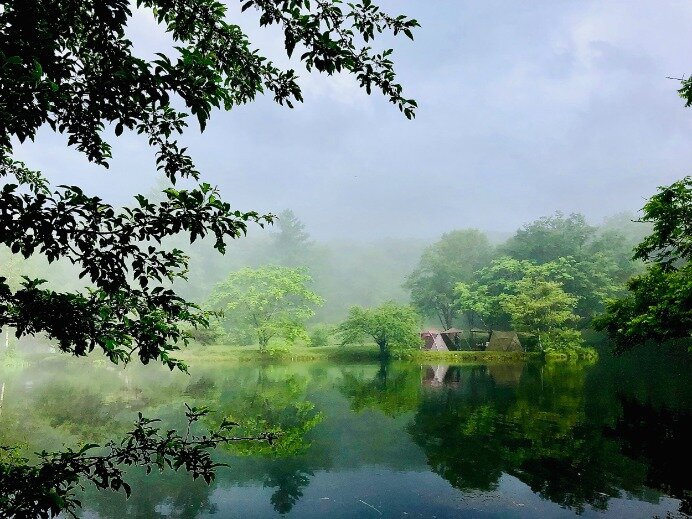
column 450, row 338
column 504, row 341
column 432, row 340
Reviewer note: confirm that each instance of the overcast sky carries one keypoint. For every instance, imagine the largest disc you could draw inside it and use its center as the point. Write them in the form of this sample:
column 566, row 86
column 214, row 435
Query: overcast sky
column 525, row 108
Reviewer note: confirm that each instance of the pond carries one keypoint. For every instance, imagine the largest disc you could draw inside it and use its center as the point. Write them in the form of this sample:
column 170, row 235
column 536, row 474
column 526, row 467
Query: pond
column 403, row 440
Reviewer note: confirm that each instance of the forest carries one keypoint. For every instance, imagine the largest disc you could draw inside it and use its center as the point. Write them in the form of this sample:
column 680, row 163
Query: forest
column 463, row 279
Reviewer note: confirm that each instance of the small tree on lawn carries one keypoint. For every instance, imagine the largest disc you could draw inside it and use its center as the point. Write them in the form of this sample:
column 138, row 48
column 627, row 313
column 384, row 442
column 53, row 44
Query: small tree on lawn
column 267, row 302
column 390, row 325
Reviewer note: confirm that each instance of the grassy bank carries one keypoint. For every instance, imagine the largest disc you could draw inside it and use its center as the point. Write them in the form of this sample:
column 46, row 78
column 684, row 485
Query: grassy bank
column 468, row 357
column 363, row 353
column 227, row 353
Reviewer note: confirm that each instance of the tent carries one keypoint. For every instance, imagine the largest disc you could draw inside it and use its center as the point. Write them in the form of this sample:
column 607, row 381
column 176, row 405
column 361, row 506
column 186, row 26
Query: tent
column 433, row 340
column 504, row 341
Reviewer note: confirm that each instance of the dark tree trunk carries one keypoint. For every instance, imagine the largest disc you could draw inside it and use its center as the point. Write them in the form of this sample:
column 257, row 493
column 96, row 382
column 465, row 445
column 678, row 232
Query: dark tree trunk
column 382, row 373
column 384, row 350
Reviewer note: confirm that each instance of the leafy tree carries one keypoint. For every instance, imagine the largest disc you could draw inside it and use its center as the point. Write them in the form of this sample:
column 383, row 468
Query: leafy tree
column 685, row 90
column 550, row 238
column 501, row 279
column 390, row 325
column 475, row 303
column 594, row 263
column 269, row 301
column 319, row 336
column 659, row 305
column 658, row 309
column 69, row 65
column 291, row 243
column 591, row 281
column 540, row 306
column 670, row 213
column 451, row 260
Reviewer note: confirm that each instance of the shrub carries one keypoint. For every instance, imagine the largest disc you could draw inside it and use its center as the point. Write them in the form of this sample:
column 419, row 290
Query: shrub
column 319, row 336
column 209, row 335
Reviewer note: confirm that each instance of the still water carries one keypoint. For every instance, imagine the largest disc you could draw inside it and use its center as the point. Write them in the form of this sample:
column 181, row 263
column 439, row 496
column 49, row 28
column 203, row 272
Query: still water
column 403, row 440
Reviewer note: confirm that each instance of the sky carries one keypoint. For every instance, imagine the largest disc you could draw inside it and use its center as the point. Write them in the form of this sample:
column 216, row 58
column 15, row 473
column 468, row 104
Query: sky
column 526, row 108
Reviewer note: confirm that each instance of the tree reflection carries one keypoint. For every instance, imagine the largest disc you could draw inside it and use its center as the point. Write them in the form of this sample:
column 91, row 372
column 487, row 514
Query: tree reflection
column 289, row 478
column 394, row 390
column 459, row 438
column 173, row 496
column 539, row 433
column 576, row 436
column 657, row 438
column 275, row 403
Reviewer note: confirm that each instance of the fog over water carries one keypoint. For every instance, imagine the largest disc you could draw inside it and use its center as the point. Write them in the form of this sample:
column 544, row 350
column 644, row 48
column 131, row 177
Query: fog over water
column 525, row 108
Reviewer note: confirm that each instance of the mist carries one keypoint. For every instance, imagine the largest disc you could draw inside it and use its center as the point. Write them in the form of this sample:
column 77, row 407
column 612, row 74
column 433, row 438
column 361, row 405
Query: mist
column 525, row 109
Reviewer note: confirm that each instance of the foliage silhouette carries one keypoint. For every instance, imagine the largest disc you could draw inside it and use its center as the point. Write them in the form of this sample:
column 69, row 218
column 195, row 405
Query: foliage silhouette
column 658, row 307
column 48, row 488
column 68, row 64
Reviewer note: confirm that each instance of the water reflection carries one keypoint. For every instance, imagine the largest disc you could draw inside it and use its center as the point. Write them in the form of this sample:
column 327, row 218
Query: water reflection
column 587, row 440
column 476, row 424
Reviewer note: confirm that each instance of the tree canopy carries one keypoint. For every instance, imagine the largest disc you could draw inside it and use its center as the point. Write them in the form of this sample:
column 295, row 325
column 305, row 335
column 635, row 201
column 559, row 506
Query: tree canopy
column 454, row 258
column 390, row 325
column 658, row 307
column 594, row 263
column 267, row 302
column 550, row 238
column 541, row 307
column 69, row 65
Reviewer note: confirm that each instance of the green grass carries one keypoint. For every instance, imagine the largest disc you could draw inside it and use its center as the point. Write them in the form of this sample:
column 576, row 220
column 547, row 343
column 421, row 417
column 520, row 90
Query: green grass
column 466, row 357
column 228, row 353
column 584, row 353
column 360, row 353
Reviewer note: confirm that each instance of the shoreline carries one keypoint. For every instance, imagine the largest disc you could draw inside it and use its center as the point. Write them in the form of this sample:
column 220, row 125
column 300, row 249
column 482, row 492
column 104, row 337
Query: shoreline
column 235, row 354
